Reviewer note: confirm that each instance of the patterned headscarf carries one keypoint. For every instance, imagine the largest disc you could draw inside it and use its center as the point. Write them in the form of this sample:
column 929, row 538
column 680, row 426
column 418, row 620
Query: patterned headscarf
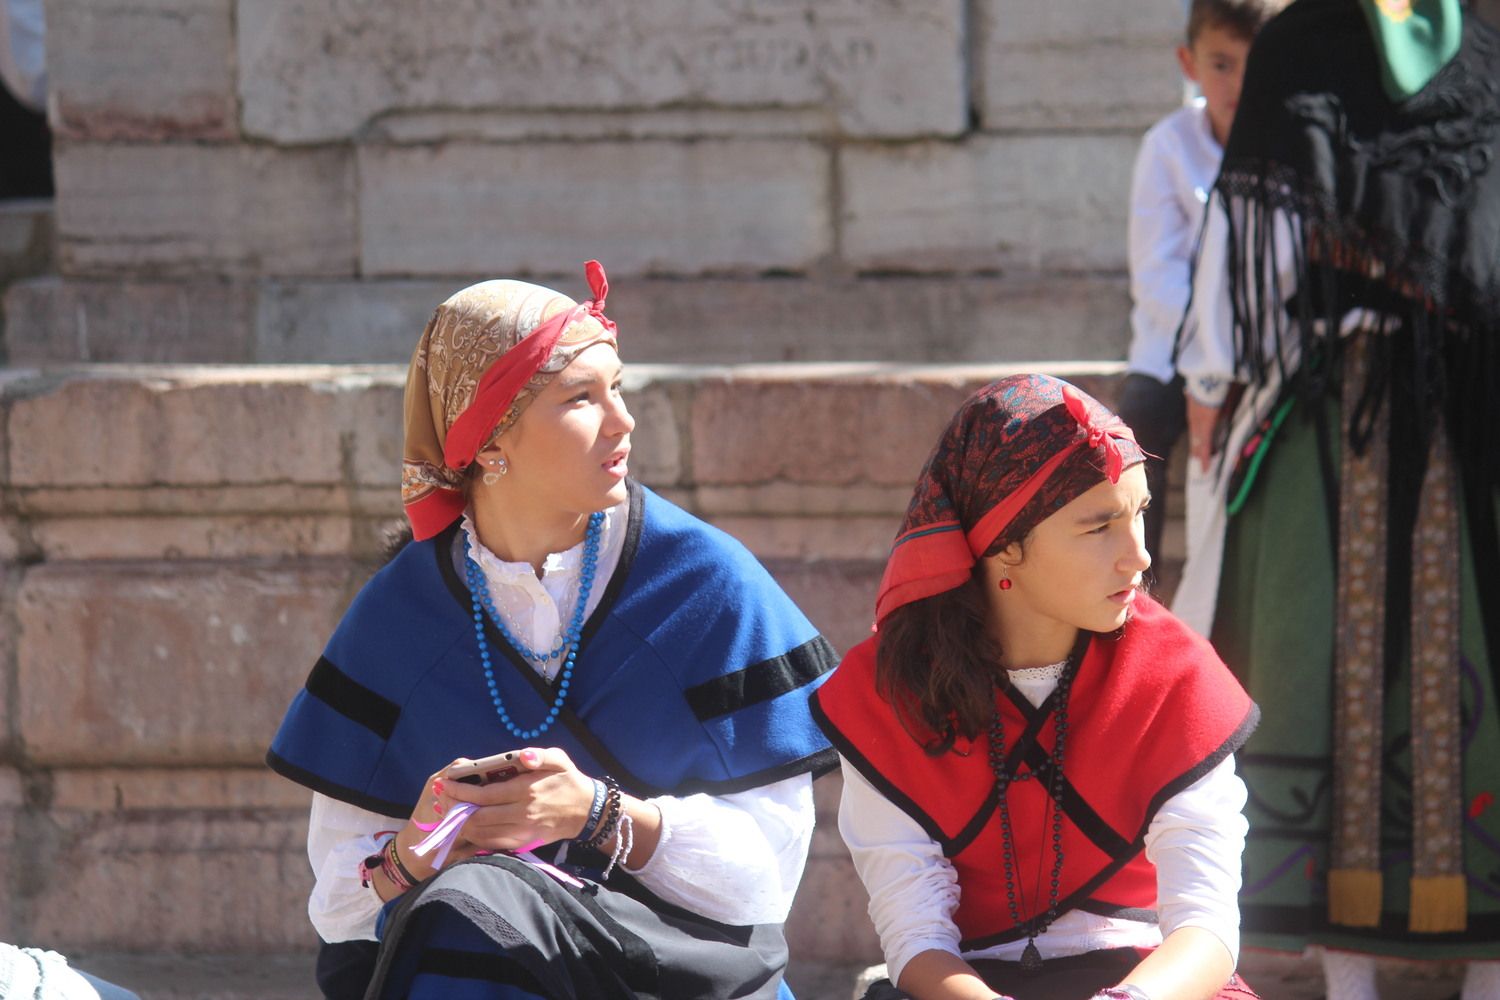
column 1017, row 451
column 486, row 353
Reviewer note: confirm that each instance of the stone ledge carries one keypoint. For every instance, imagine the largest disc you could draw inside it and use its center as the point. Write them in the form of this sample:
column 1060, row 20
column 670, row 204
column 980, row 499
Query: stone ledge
column 899, row 318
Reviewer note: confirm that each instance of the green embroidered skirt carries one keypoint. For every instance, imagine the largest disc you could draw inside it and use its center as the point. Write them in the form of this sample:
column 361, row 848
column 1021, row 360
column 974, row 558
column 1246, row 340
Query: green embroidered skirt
column 1274, row 626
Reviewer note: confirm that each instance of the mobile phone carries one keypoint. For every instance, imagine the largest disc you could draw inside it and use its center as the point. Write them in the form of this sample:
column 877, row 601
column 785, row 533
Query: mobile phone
column 487, row 770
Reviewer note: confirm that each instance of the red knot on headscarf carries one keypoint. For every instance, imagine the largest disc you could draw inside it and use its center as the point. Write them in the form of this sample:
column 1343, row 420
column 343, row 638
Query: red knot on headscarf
column 485, row 353
column 1017, row 451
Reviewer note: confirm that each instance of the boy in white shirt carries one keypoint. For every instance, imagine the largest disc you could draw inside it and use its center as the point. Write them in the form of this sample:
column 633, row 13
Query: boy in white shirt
column 1174, row 171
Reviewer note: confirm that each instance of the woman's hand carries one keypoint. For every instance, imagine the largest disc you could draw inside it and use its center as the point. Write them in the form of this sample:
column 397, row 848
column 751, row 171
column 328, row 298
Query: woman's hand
column 1201, row 421
column 549, row 800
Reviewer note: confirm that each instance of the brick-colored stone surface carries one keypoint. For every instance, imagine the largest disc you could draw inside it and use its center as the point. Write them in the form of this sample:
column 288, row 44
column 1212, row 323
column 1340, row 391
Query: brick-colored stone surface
column 1094, row 64
column 1026, row 201
column 641, row 207
column 656, row 444
column 59, row 320
column 838, row 596
column 141, row 69
column 833, row 422
column 166, row 664
column 163, row 879
column 314, row 71
column 830, row 917
column 197, row 209
column 199, row 427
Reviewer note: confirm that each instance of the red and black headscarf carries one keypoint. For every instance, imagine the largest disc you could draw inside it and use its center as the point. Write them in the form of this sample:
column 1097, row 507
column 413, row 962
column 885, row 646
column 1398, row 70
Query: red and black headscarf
column 1017, row 451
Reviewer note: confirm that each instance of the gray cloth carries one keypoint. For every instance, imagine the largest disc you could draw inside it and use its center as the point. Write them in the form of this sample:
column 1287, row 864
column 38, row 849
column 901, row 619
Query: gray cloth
column 500, row 920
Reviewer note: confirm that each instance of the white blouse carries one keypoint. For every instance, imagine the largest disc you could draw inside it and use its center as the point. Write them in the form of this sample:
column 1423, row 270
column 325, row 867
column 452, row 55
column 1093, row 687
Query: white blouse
column 734, row 858
column 1195, row 841
column 1174, row 172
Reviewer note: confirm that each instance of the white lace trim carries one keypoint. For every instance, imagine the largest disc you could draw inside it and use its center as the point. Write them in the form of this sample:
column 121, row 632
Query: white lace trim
column 537, row 611
column 1050, row 672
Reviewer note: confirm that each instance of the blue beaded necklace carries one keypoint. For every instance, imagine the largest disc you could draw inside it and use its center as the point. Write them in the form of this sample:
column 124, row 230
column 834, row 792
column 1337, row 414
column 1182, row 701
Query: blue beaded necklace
column 567, row 645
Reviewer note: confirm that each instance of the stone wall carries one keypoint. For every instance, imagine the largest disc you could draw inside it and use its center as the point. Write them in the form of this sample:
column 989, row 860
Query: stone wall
column 176, row 543
column 241, row 180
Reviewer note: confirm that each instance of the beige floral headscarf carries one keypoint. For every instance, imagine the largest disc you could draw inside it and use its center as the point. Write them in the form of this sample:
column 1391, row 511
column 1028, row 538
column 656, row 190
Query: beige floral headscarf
column 467, row 358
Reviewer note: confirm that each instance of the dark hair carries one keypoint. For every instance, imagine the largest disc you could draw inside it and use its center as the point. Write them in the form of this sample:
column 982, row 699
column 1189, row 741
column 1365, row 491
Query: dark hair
column 1244, row 18
column 937, row 664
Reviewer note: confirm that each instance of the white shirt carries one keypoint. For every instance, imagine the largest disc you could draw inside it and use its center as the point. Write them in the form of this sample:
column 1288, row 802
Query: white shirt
column 1174, row 173
column 734, row 858
column 23, row 52
column 1195, row 840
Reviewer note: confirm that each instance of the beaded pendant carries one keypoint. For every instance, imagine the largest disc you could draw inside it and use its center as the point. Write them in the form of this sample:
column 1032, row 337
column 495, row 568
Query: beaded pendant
column 483, row 606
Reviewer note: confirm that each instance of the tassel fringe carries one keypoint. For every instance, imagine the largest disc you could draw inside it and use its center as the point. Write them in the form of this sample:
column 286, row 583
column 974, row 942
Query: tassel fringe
column 1354, row 897
column 1439, row 904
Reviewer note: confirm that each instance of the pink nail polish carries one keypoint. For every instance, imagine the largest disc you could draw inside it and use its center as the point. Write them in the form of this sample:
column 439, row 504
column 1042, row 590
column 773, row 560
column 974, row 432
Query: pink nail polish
column 530, row 757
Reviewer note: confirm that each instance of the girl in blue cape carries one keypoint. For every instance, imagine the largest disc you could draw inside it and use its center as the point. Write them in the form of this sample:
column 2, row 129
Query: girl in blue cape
column 649, row 675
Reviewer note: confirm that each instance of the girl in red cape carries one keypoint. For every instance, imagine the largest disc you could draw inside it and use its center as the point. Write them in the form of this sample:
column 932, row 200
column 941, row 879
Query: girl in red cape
column 1040, row 793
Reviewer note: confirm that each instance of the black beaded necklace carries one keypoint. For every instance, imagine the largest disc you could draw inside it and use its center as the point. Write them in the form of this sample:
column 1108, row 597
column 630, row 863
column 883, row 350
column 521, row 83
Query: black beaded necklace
column 1031, row 958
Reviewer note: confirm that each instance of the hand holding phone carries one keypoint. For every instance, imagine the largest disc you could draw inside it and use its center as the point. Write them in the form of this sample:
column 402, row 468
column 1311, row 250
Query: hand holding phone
column 487, row 770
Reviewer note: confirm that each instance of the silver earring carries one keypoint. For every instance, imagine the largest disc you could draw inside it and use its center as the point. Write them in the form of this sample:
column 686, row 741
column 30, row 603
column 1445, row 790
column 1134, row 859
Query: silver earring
column 501, row 467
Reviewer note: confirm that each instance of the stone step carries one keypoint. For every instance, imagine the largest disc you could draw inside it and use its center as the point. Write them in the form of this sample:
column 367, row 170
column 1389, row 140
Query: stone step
column 919, row 319
column 1275, row 976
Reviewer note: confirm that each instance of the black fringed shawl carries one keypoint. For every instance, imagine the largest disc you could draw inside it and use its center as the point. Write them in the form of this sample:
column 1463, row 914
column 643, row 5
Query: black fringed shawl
column 1398, row 210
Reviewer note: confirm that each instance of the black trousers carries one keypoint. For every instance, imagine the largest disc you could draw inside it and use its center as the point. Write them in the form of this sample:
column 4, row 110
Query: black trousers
column 25, row 150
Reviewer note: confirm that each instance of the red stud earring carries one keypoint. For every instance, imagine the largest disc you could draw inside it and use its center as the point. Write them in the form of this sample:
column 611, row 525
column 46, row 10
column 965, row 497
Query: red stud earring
column 1005, row 583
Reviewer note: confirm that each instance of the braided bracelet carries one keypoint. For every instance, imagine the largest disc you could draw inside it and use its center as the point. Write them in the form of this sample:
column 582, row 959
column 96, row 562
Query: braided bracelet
column 398, row 873
column 623, row 844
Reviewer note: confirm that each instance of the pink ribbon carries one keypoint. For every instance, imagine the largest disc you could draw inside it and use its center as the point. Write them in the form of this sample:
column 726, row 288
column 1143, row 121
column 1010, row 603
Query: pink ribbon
column 442, row 834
